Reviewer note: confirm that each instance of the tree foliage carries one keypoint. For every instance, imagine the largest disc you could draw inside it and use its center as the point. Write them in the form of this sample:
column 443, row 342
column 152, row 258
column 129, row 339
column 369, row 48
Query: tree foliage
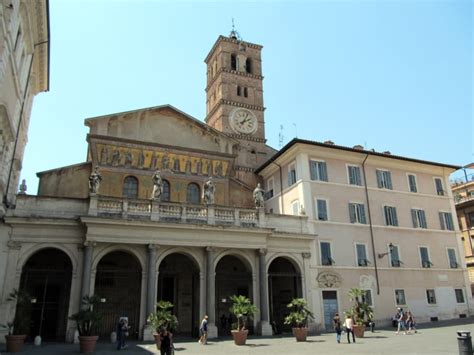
column 360, row 310
column 163, row 317
column 300, row 314
column 243, row 309
column 88, row 319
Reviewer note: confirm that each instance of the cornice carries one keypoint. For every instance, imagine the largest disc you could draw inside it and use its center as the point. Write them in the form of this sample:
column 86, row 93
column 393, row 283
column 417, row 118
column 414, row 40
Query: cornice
column 247, row 137
column 231, row 71
column 229, row 40
column 232, row 103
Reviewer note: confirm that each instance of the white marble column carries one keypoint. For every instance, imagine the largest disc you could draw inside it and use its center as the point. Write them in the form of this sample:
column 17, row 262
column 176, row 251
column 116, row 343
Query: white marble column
column 265, row 327
column 87, row 269
column 211, row 292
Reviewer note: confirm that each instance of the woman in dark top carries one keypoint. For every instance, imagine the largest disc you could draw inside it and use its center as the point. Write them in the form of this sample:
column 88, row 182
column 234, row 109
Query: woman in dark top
column 166, row 342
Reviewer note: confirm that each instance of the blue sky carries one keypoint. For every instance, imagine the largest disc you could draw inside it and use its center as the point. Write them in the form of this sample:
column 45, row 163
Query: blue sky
column 390, row 75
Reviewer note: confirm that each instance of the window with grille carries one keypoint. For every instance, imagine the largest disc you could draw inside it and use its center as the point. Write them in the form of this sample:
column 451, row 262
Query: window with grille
column 130, row 187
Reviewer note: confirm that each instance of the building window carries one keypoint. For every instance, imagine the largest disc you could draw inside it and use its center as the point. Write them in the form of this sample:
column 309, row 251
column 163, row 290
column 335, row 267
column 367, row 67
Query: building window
column 246, row 93
column 470, row 220
column 412, row 183
column 453, row 263
column 390, row 213
column 394, row 256
column 354, row 175
column 384, row 179
column 326, row 258
column 357, row 213
column 459, row 295
column 430, row 296
column 361, row 252
column 270, row 188
column 367, row 297
column 446, row 221
column 295, row 207
column 248, row 66
column 233, row 62
column 439, row 186
column 193, row 194
column 318, row 170
column 321, row 210
column 425, row 258
column 419, row 219
column 238, row 90
column 291, row 174
column 130, row 187
column 400, row 297
column 166, row 196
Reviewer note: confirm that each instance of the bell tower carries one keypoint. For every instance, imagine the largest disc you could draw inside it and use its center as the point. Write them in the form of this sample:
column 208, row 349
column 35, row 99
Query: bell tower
column 234, row 100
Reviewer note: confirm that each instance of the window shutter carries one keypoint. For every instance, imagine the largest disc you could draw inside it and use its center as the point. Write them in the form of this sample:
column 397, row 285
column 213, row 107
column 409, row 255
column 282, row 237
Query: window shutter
column 423, row 219
column 385, row 212
column 357, row 176
column 395, row 219
column 322, row 210
column 323, row 171
column 389, row 180
column 312, row 170
column 289, row 178
column 441, row 221
column 379, row 178
column 414, row 218
column 362, row 214
column 352, row 215
column 350, row 170
column 449, row 223
column 412, row 182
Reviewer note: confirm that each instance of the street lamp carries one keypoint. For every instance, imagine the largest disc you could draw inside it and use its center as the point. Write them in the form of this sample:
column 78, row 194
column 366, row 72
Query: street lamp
column 390, row 247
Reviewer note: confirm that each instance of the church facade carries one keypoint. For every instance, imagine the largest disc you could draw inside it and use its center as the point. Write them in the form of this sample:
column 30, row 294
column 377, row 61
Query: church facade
column 329, row 222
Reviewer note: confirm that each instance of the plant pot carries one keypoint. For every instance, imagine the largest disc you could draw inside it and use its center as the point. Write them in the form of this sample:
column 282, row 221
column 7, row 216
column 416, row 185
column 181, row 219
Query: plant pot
column 300, row 333
column 359, row 330
column 15, row 343
column 240, row 336
column 87, row 343
column 157, row 340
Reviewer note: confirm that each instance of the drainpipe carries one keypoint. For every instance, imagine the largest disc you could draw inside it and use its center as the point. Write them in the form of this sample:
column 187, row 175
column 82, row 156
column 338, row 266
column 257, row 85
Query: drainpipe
column 281, row 189
column 371, row 227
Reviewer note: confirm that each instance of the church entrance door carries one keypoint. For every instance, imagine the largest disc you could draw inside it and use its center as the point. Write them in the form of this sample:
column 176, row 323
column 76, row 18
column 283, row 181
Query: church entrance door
column 118, row 282
column 233, row 277
column 178, row 283
column 46, row 277
column 284, row 284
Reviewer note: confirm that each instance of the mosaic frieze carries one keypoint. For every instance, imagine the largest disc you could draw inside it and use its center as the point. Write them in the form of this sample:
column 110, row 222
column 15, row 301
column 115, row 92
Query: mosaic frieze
column 117, row 156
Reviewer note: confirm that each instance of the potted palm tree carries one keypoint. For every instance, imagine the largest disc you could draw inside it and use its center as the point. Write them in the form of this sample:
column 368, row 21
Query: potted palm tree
column 87, row 321
column 162, row 318
column 18, row 329
column 242, row 308
column 360, row 311
column 299, row 317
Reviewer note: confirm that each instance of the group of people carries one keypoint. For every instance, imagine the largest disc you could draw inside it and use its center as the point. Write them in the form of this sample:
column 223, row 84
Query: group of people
column 347, row 326
column 404, row 321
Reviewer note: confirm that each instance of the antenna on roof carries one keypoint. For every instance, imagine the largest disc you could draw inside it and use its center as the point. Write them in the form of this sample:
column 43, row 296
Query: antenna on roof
column 296, row 130
column 280, row 137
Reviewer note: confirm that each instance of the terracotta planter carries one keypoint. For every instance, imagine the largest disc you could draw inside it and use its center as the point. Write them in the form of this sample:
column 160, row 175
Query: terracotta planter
column 87, row 343
column 359, row 330
column 15, row 343
column 240, row 336
column 300, row 333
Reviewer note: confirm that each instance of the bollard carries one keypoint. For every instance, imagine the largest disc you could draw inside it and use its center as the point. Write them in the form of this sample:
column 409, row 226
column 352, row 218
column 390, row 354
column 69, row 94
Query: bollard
column 464, row 342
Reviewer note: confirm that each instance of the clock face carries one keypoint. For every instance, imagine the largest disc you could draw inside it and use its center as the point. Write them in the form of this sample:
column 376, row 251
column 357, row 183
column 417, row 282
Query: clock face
column 243, row 121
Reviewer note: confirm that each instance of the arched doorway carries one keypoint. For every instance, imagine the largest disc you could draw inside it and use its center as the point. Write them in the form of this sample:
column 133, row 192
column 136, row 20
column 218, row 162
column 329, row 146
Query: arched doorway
column 284, row 284
column 178, row 283
column 233, row 277
column 118, row 282
column 46, row 277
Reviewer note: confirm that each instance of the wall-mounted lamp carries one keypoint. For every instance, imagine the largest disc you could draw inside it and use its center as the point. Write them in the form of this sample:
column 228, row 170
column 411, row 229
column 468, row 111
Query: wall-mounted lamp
column 103, row 300
column 390, row 247
column 33, row 300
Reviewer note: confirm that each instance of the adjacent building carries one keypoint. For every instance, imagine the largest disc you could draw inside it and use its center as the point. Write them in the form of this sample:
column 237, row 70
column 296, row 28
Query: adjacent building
column 334, row 218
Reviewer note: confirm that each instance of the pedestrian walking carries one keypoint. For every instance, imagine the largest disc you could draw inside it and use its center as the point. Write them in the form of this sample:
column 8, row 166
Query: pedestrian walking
column 166, row 338
column 122, row 333
column 349, row 325
column 203, row 330
column 337, row 327
column 401, row 321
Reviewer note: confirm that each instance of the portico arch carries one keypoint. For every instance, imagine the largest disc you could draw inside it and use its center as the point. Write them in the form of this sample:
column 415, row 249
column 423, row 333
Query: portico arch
column 284, row 284
column 46, row 277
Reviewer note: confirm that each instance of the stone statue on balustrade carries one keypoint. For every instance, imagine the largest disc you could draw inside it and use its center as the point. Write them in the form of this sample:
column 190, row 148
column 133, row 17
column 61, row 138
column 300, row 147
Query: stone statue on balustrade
column 157, row 186
column 94, row 181
column 259, row 196
column 208, row 192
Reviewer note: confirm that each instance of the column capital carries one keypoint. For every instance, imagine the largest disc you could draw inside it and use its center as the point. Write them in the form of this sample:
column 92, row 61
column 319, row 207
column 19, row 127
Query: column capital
column 306, row 255
column 210, row 249
column 13, row 244
column 153, row 247
column 262, row 251
column 89, row 243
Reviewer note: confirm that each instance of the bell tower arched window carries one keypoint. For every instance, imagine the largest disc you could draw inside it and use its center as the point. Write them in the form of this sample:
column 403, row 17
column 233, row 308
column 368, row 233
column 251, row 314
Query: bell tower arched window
column 130, row 187
column 233, row 62
column 248, row 65
column 246, row 94
column 193, row 193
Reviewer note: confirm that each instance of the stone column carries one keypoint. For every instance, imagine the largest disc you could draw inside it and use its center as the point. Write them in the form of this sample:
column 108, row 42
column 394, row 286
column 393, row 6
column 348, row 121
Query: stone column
column 211, row 292
column 86, row 269
column 202, row 295
column 150, row 290
column 265, row 327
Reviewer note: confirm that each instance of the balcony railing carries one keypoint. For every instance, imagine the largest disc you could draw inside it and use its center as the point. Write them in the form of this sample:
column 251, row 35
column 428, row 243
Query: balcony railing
column 175, row 212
